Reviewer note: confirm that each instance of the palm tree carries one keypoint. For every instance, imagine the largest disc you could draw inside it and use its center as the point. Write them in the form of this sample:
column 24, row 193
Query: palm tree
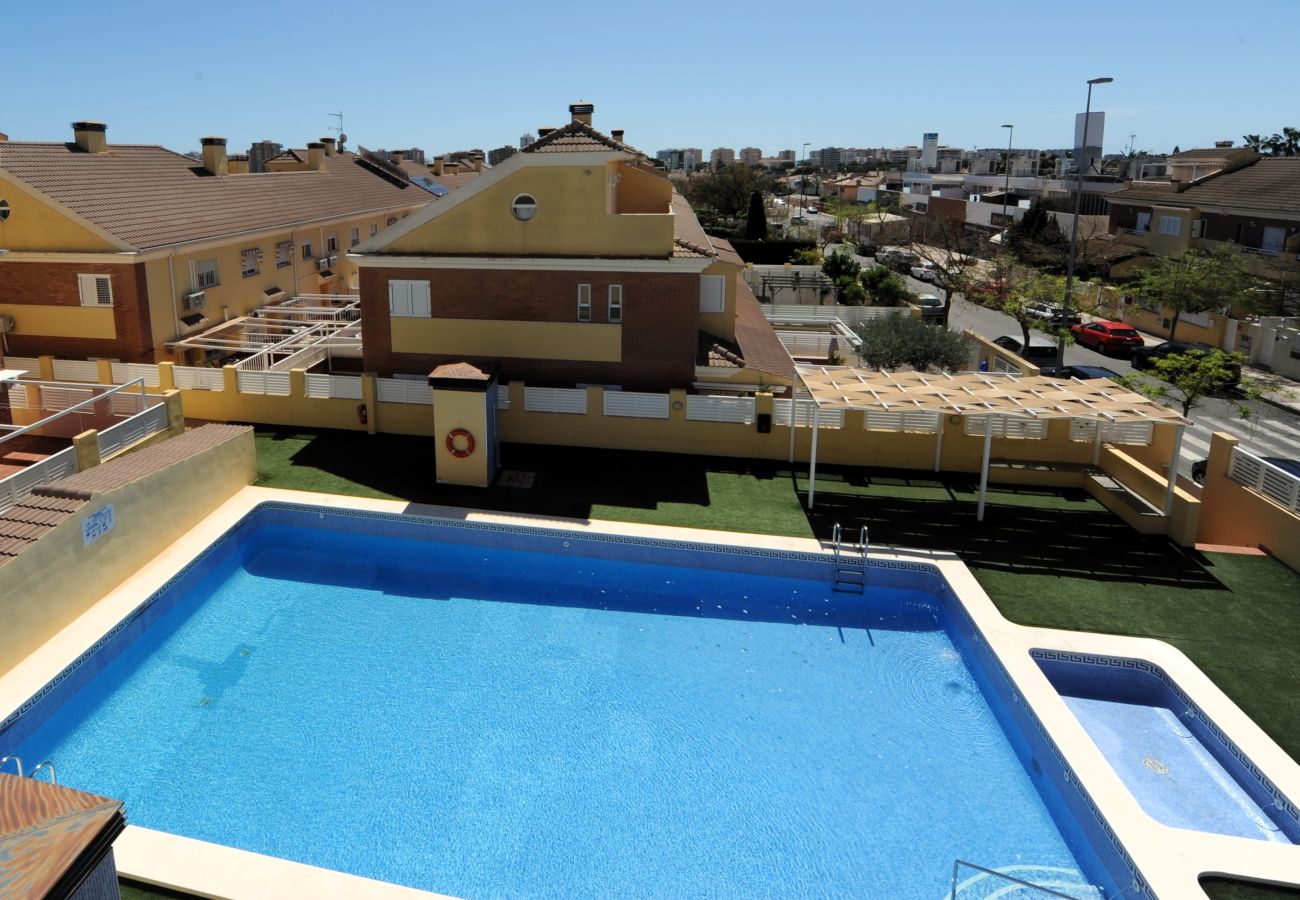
column 1253, row 142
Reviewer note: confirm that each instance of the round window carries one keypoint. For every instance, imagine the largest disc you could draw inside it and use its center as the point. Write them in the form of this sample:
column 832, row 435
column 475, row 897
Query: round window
column 4, row 210
column 524, row 207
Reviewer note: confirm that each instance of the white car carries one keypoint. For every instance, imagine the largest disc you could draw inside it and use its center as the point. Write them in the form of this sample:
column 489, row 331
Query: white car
column 926, row 271
column 812, row 210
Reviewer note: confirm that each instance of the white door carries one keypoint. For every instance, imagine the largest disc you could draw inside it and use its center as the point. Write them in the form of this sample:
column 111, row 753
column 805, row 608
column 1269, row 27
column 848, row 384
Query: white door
column 1144, row 222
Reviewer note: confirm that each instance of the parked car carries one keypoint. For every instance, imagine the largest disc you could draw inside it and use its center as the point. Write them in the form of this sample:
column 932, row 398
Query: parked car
column 1198, row 470
column 1145, row 357
column 797, row 220
column 924, row 271
column 1052, row 314
column 867, row 248
column 931, row 307
column 1041, row 352
column 897, row 258
column 1085, row 373
column 1107, row 337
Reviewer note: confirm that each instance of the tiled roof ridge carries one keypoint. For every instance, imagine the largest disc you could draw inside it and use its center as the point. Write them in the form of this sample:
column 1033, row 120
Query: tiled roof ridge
column 123, row 470
column 585, row 130
column 691, row 245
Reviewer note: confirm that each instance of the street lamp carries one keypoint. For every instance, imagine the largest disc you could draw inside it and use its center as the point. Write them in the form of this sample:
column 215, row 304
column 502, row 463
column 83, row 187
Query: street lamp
column 803, row 179
column 1006, row 186
column 1074, row 228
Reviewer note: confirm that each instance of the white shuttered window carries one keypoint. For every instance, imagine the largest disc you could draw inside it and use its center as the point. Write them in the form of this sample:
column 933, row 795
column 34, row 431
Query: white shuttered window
column 713, row 293
column 96, row 290
column 409, row 299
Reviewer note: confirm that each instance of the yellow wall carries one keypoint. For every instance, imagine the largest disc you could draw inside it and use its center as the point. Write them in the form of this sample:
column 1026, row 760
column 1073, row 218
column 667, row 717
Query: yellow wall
column 723, row 324
column 34, row 225
column 1168, row 244
column 62, row 321
column 1237, row 516
column 639, row 191
column 571, row 220
column 467, row 410
column 588, row 341
column 57, row 579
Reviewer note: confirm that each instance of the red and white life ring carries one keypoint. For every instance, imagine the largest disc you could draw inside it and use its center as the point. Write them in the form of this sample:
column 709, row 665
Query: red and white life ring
column 458, row 449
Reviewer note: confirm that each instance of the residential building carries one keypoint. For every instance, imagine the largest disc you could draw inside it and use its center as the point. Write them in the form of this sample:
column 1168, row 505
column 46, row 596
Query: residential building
column 750, row 156
column 786, row 156
column 526, row 138
column 685, row 159
column 722, row 156
column 1089, row 127
column 115, row 250
column 574, row 262
column 500, row 155
column 930, row 151
column 260, row 152
column 826, row 157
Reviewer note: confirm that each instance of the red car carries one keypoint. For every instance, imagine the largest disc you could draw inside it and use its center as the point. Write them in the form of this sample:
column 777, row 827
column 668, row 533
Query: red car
column 1107, row 337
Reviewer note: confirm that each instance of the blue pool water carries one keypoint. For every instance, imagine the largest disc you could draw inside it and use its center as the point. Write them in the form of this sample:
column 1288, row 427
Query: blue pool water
column 492, row 722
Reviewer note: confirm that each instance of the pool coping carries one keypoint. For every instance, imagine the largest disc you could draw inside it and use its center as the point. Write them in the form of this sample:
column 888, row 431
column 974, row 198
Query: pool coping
column 1170, row 860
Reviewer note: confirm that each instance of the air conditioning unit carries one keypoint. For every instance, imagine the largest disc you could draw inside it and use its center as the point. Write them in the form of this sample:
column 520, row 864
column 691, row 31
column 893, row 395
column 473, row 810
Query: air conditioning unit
column 325, row 262
column 195, row 300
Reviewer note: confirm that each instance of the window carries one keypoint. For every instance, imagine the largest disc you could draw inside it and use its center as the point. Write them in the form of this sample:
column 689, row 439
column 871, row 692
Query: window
column 392, row 220
column 332, row 243
column 713, row 293
column 250, row 261
column 4, row 210
column 96, row 290
column 205, row 274
column 409, row 299
column 354, row 237
column 523, row 207
column 374, row 229
column 1144, row 223
column 306, row 250
column 283, row 254
column 584, row 303
column 615, row 303
column 1171, row 225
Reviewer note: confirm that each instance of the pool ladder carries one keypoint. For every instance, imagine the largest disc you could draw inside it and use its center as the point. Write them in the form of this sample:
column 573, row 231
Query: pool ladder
column 18, row 765
column 850, row 562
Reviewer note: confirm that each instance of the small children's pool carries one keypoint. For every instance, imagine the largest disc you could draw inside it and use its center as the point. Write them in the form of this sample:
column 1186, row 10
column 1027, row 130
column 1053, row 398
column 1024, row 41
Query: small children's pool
column 492, row 712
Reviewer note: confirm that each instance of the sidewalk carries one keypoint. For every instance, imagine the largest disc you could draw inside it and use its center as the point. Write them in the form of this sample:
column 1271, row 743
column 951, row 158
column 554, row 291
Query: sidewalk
column 1286, row 395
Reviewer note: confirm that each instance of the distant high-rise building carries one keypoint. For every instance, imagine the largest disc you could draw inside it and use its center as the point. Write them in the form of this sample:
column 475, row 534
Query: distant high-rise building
column 929, row 151
column 750, row 155
column 672, row 159
column 692, row 157
column 1088, row 158
column 525, row 139
column 414, row 154
column 500, row 155
column 260, row 152
column 722, row 156
column 827, row 157
column 786, row 156
column 681, row 159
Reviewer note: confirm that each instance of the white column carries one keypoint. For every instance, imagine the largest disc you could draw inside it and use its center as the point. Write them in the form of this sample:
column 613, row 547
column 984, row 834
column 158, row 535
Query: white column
column 984, row 467
column 938, row 442
column 1173, row 469
column 1096, row 443
column 812, row 460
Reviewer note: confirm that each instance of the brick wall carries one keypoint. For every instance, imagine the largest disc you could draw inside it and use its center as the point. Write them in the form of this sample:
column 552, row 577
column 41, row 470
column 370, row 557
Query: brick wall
column 55, row 284
column 660, row 321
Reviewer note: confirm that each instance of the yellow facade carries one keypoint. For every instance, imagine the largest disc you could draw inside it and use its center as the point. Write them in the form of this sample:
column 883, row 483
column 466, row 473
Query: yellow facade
column 574, row 218
column 1237, row 516
column 588, row 341
column 62, row 321
column 723, row 324
column 465, row 411
column 34, row 225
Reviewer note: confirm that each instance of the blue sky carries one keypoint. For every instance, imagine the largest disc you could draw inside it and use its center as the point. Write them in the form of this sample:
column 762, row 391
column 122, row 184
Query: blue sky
column 455, row 75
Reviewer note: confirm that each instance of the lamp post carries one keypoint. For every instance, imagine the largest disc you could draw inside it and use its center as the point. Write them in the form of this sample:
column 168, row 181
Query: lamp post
column 1006, row 186
column 1074, row 228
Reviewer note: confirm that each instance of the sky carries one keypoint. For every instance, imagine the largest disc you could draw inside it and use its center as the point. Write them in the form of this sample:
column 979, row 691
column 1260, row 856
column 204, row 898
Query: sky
column 451, row 76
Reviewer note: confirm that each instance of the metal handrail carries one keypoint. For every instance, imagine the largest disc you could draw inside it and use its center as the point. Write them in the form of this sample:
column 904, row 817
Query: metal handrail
column 45, row 765
column 956, row 867
column 18, row 763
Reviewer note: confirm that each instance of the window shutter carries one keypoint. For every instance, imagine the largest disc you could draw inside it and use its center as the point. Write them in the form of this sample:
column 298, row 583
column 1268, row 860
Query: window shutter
column 712, row 293
column 420, row 305
column 95, row 290
column 399, row 298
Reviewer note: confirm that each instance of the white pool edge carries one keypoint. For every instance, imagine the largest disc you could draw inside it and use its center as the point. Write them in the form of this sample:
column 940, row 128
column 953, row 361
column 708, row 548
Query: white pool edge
column 1171, row 860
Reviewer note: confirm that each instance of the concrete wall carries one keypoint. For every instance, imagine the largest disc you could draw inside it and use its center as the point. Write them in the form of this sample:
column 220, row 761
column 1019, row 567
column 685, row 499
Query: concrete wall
column 1234, row 514
column 57, row 579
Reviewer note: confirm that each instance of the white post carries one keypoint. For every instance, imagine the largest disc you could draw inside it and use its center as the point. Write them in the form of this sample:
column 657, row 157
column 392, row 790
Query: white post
column 1096, row 443
column 938, row 442
column 1173, row 470
column 984, row 469
column 794, row 408
column 812, row 461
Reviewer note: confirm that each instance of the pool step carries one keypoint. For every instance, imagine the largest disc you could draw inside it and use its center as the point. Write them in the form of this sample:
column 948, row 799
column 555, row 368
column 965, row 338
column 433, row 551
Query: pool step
column 850, row 562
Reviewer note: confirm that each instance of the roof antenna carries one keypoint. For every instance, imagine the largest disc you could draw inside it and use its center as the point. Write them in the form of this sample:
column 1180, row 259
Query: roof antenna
column 339, row 128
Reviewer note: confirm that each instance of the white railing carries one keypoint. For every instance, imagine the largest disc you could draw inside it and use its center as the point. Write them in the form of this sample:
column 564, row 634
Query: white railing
column 301, row 359
column 635, row 405
column 125, row 434
column 85, row 370
column 275, row 384
column 561, row 400
column 1007, row 427
column 404, row 390
column 124, row 372
column 129, row 403
column 52, row 468
column 18, row 397
column 1112, row 432
column 803, row 415
column 194, row 378
column 794, row 314
column 1263, row 477
column 720, row 409
column 342, row 386
column 56, row 398
column 809, row 343
column 29, row 364
column 923, row 421
column 1006, row 366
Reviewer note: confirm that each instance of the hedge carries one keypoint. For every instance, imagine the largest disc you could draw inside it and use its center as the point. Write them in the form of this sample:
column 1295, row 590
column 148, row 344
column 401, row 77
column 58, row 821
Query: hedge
column 770, row 253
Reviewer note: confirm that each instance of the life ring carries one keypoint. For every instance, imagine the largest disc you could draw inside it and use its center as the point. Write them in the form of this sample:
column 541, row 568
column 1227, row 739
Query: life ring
column 460, row 452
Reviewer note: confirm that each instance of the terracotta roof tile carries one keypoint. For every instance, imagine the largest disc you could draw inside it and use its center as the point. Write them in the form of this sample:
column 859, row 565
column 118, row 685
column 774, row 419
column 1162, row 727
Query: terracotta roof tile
column 716, row 353
column 577, row 138
column 123, row 470
column 759, row 344
column 148, row 196
column 1270, row 185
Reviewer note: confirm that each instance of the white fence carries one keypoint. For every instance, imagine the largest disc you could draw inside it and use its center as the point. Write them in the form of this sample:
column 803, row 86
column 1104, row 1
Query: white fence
column 29, row 364
column 301, row 359
column 124, row 372
column 561, row 400
column 635, row 405
column 1006, row 427
column 403, row 390
column 1263, row 477
column 275, row 384
column 1112, row 432
column 922, row 421
column 84, row 370
column 810, row 343
column 135, row 429
column 803, row 415
column 720, row 409
column 797, row 314
column 57, row 398
column 342, row 386
column 193, row 378
column 52, row 468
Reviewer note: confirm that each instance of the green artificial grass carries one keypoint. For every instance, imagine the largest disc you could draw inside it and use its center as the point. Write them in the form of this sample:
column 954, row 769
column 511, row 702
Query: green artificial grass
column 1231, row 889
column 138, row 890
column 1046, row 556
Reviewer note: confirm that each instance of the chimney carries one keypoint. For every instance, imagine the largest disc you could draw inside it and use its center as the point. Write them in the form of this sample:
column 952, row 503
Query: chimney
column 316, row 156
column 396, row 157
column 329, row 145
column 617, row 134
column 544, row 131
column 478, row 163
column 1222, row 145
column 581, row 112
column 214, row 155
column 438, row 164
column 238, row 164
column 3, row 136
column 90, row 137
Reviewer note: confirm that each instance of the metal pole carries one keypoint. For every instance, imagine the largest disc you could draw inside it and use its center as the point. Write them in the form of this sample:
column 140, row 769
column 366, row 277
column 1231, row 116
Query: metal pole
column 794, row 410
column 1173, row 470
column 938, row 443
column 812, row 460
column 984, row 469
column 1074, row 227
column 1006, row 187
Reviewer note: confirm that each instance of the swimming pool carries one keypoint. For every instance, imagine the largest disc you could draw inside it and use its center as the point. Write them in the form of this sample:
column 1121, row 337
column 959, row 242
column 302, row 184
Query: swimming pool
column 496, row 711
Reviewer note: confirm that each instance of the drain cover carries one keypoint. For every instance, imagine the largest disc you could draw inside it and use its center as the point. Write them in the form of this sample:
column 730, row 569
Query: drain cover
column 514, row 479
column 1155, row 765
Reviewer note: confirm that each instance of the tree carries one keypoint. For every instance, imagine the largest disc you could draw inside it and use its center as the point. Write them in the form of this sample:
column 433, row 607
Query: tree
column 900, row 340
column 1283, row 143
column 945, row 246
column 839, row 264
column 1013, row 290
column 727, row 189
column 1195, row 281
column 756, row 222
column 1188, row 378
column 884, row 287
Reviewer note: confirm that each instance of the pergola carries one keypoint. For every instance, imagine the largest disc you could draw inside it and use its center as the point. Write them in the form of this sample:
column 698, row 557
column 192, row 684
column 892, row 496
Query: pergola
column 992, row 396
